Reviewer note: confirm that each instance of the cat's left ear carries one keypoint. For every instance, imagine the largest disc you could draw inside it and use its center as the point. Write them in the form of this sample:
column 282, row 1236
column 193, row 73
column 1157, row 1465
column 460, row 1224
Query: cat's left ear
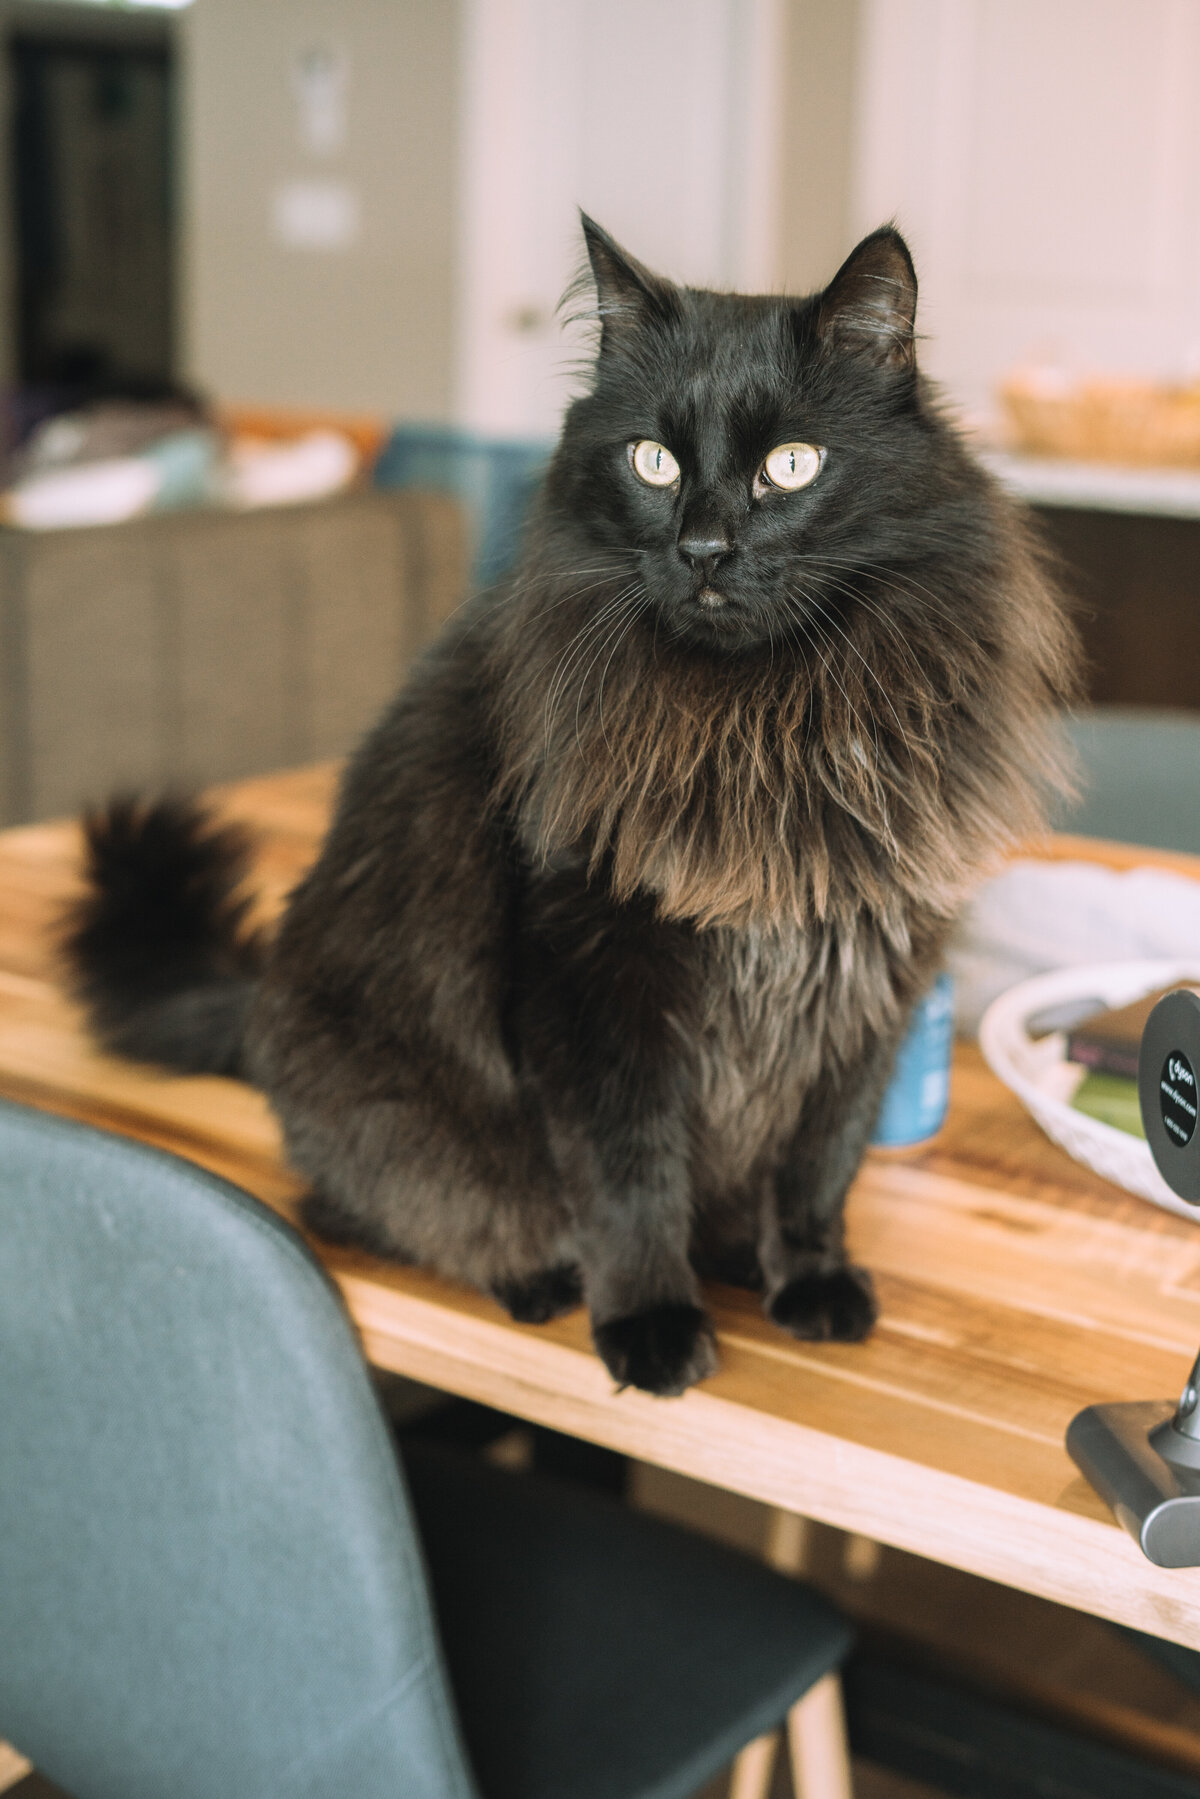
column 630, row 295
column 870, row 305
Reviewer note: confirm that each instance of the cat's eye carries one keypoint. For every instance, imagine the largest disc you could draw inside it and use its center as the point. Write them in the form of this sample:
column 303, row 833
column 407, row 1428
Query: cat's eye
column 792, row 466
column 654, row 464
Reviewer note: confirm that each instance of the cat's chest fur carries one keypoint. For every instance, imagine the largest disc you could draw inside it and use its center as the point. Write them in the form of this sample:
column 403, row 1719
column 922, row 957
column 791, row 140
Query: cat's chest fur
column 779, row 1006
column 758, row 1048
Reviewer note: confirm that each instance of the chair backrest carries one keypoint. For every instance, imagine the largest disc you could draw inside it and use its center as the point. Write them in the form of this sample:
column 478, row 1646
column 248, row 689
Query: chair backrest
column 210, row 1579
column 1140, row 777
column 494, row 478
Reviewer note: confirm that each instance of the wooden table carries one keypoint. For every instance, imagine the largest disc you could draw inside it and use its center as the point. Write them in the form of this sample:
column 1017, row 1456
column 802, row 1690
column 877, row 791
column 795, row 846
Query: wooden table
column 1015, row 1286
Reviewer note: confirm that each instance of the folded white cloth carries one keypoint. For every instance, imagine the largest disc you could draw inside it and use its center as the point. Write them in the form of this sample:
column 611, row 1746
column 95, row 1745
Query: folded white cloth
column 1042, row 915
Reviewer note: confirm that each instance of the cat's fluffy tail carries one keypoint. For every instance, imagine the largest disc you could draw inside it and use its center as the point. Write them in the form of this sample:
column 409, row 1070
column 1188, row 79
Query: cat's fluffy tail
column 158, row 948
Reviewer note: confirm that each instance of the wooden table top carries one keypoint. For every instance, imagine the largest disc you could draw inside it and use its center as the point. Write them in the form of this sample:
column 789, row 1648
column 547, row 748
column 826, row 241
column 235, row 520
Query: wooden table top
column 1015, row 1287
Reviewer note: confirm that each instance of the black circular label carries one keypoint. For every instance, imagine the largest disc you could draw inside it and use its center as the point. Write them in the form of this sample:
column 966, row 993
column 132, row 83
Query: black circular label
column 1177, row 1098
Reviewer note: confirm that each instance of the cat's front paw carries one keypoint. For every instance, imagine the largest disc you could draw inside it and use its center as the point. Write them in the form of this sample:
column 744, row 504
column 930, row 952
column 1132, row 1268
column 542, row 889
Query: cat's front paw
column 663, row 1351
column 836, row 1306
column 542, row 1296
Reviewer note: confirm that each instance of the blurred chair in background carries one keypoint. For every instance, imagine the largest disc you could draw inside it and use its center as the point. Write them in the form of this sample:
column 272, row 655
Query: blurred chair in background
column 1140, row 777
column 200, row 646
column 493, row 479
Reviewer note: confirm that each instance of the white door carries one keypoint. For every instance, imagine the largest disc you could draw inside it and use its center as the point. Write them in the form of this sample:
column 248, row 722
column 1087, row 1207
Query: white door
column 658, row 117
column 1043, row 157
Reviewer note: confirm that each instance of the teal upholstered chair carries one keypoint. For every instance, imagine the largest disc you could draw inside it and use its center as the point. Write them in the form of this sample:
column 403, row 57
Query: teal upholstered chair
column 215, row 1579
column 1139, row 777
column 493, row 478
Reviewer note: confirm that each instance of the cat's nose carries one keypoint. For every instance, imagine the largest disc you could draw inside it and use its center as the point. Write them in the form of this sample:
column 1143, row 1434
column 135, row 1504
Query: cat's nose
column 703, row 547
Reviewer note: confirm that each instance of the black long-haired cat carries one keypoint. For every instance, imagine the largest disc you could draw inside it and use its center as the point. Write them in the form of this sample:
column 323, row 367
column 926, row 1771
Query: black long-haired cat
column 597, row 982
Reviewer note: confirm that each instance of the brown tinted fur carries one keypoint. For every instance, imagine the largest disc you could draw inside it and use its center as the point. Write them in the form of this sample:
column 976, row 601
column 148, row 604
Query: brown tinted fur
column 795, row 792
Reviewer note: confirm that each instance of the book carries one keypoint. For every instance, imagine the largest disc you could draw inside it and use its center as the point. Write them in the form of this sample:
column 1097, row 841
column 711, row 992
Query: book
column 1112, row 1099
column 1109, row 1041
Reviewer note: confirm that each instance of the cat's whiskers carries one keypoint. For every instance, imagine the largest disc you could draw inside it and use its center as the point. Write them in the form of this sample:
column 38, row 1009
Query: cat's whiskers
column 579, row 594
column 872, row 605
column 770, row 643
column 623, row 618
column 903, row 733
column 512, row 589
column 881, row 618
column 574, row 651
column 851, row 645
column 801, row 621
column 898, row 579
column 881, row 825
column 508, row 591
column 575, row 594
column 827, row 666
column 575, row 647
column 604, row 572
column 634, row 612
column 873, row 608
column 798, row 623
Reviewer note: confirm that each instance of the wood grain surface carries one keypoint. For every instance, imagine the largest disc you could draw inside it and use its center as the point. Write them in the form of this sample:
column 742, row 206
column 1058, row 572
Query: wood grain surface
column 1016, row 1287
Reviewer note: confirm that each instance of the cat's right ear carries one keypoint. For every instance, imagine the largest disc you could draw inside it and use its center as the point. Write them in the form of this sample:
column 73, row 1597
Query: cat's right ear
column 870, row 306
column 629, row 295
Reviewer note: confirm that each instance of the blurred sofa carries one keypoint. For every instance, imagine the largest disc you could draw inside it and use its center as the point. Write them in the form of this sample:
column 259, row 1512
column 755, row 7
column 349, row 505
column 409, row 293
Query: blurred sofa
column 192, row 647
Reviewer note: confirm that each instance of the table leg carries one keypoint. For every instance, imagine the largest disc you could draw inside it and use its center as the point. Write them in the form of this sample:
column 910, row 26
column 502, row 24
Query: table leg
column 788, row 1538
column 861, row 1557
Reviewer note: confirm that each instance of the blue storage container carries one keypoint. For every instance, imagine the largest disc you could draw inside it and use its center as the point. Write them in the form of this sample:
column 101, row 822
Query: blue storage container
column 494, row 478
column 914, row 1106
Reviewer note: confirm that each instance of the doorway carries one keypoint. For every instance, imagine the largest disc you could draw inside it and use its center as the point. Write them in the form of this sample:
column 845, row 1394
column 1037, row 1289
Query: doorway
column 93, row 202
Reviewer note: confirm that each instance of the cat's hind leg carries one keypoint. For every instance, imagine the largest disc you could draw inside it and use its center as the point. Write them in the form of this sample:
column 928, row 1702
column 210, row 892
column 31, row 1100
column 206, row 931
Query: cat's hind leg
column 334, row 1222
column 533, row 1298
column 398, row 1180
column 545, row 1294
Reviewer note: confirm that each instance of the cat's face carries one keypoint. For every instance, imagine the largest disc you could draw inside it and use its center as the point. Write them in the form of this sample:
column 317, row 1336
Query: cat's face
column 745, row 461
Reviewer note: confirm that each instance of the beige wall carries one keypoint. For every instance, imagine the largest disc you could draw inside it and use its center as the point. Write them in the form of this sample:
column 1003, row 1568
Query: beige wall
column 368, row 327
column 818, row 120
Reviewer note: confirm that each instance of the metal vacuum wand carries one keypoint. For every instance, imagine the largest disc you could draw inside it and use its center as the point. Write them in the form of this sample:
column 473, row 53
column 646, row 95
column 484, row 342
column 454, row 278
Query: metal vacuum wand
column 1143, row 1458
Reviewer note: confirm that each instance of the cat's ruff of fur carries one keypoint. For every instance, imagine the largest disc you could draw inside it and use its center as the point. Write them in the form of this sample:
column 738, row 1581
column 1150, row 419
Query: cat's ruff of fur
column 596, row 983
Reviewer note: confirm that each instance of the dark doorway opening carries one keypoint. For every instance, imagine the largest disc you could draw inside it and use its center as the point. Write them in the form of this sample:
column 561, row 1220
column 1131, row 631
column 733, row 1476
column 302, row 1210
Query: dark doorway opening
column 93, row 201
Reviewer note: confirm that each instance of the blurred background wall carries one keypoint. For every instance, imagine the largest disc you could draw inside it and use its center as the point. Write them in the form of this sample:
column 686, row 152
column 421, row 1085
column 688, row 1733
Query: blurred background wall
column 1044, row 158
column 378, row 197
column 365, row 212
column 319, row 167
column 370, row 204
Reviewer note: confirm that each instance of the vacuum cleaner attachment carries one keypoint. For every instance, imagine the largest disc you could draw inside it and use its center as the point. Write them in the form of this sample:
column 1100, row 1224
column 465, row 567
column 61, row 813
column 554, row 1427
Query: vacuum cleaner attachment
column 1143, row 1458
column 1168, row 1067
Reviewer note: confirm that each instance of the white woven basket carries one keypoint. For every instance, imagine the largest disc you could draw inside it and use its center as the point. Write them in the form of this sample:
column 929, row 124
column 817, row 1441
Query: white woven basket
column 1039, row 1074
